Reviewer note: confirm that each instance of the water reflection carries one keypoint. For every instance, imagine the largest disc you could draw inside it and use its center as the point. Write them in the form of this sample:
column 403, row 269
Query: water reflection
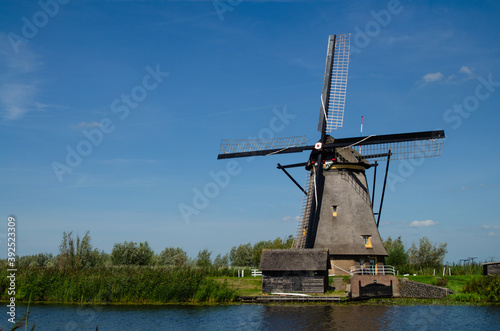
column 327, row 317
column 262, row 317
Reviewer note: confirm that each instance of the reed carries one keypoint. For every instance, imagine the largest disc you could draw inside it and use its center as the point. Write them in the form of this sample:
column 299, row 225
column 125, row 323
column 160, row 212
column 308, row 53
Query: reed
column 117, row 285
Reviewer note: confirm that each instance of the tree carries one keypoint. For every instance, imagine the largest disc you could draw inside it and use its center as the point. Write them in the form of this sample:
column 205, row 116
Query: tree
column 87, row 256
column 277, row 243
column 39, row 260
column 398, row 256
column 144, row 254
column 249, row 256
column 241, row 256
column 221, row 261
column 77, row 255
column 203, row 260
column 427, row 254
column 257, row 251
column 129, row 253
column 173, row 257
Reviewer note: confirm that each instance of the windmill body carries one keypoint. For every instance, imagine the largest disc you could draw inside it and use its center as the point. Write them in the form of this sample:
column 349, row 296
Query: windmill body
column 337, row 213
column 346, row 225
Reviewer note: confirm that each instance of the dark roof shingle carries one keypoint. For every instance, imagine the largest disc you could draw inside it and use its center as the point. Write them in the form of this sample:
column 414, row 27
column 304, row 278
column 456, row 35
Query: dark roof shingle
column 314, row 259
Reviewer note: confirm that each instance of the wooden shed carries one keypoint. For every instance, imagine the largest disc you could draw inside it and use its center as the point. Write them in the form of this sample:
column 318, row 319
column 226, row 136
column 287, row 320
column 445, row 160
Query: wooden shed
column 491, row 268
column 295, row 270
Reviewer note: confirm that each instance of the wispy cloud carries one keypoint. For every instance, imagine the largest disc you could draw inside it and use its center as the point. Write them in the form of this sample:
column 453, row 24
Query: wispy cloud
column 16, row 99
column 492, row 227
column 492, row 230
column 83, row 125
column 432, row 77
column 86, row 181
column 416, row 224
column 464, row 73
column 128, row 161
column 18, row 87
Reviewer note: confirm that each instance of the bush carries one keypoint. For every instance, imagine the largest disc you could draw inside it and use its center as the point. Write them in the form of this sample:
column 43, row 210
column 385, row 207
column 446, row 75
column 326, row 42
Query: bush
column 39, row 260
column 173, row 257
column 442, row 282
column 129, row 253
column 487, row 287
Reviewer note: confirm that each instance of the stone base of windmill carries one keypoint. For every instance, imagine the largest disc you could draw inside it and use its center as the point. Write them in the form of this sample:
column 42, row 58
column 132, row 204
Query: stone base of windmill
column 378, row 286
column 374, row 286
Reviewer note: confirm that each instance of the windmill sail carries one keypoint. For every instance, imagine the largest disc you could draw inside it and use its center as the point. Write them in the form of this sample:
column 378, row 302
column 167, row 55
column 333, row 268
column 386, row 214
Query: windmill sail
column 335, row 83
column 231, row 148
column 402, row 145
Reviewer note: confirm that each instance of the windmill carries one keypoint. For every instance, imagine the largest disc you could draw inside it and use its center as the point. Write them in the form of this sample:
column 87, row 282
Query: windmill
column 337, row 212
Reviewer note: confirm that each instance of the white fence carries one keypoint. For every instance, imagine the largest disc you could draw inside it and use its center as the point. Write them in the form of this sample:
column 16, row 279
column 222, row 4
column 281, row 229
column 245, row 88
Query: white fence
column 256, row 273
column 373, row 270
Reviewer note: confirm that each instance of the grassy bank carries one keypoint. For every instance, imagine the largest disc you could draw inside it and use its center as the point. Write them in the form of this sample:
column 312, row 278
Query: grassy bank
column 116, row 285
column 454, row 283
column 245, row 286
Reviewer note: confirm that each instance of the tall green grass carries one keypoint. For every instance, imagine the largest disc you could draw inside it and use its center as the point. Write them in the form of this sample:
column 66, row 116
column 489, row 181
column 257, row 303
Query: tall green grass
column 116, row 285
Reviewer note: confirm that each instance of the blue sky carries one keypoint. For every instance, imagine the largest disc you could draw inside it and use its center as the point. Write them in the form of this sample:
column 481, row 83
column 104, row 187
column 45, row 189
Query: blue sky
column 111, row 115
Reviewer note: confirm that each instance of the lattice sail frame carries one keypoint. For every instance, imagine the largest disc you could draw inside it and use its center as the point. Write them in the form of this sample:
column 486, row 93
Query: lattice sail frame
column 402, row 150
column 228, row 146
column 338, row 84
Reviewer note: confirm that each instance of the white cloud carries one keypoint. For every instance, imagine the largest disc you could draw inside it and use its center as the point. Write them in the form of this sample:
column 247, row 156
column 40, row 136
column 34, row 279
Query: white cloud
column 466, row 70
column 425, row 223
column 20, row 63
column 16, row 99
column 286, row 218
column 18, row 86
column 432, row 77
column 464, row 74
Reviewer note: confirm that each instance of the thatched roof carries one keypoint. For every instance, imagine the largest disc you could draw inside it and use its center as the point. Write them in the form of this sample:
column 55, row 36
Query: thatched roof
column 313, row 259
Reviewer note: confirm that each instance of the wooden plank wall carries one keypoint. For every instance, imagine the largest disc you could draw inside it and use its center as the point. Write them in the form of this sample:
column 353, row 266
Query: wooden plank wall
column 491, row 269
column 284, row 283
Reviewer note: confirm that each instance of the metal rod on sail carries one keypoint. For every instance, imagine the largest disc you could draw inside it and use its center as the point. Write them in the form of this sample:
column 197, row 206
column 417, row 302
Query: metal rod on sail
column 383, row 188
column 374, row 178
column 290, row 176
column 361, row 134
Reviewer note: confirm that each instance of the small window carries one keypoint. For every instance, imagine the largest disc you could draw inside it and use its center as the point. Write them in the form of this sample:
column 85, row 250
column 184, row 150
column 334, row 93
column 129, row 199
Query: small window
column 334, row 210
column 367, row 241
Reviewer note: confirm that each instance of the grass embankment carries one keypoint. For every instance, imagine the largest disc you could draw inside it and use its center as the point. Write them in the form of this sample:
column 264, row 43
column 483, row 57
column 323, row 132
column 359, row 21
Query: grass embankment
column 116, row 285
column 244, row 286
column 454, row 283
column 467, row 288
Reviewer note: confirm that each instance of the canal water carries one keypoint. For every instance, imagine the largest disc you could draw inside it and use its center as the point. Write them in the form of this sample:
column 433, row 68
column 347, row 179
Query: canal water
column 260, row 317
